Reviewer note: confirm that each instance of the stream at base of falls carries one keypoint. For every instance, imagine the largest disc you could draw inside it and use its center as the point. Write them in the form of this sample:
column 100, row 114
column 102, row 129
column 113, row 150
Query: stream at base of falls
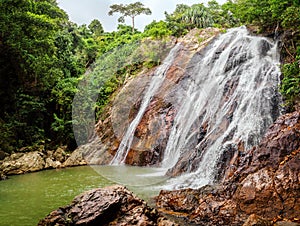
column 25, row 199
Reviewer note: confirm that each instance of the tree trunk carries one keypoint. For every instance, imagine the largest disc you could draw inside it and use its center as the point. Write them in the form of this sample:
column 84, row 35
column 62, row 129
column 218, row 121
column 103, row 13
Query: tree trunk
column 132, row 18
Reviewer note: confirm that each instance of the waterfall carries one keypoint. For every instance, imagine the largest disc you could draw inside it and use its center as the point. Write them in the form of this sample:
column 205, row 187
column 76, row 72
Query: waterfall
column 155, row 83
column 231, row 98
column 223, row 103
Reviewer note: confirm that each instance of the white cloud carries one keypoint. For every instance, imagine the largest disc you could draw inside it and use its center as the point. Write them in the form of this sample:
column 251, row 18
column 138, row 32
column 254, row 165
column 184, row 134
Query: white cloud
column 83, row 12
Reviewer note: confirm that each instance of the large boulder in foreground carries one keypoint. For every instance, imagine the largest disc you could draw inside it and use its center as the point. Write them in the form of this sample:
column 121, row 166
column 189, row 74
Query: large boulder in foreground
column 264, row 181
column 113, row 205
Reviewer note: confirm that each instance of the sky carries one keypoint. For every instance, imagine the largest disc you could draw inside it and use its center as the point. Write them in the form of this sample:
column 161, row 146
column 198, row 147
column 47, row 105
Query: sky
column 84, row 11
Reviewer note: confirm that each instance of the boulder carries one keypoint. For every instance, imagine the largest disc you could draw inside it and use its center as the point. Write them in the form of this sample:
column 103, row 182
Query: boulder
column 113, row 205
column 52, row 164
column 75, row 159
column 19, row 163
column 23, row 163
column 60, row 154
column 207, row 206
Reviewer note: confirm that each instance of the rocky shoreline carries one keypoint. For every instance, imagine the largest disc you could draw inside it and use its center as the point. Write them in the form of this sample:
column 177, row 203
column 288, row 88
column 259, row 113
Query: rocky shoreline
column 261, row 187
column 20, row 163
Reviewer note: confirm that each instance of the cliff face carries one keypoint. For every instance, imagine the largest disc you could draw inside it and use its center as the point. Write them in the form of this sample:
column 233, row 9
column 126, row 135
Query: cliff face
column 264, row 181
column 206, row 104
column 151, row 134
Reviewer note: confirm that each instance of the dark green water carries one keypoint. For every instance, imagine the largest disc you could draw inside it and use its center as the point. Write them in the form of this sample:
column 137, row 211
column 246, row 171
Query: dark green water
column 25, row 199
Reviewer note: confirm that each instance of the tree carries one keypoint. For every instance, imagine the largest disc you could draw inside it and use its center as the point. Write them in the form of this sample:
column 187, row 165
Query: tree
column 185, row 18
column 269, row 14
column 197, row 15
column 222, row 15
column 174, row 21
column 157, row 29
column 132, row 10
column 96, row 27
column 290, row 84
column 41, row 51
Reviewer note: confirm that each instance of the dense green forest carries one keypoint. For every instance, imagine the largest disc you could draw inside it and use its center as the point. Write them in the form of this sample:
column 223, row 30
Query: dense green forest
column 44, row 56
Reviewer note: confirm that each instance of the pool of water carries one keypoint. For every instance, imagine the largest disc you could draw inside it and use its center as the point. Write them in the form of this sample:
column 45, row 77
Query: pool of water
column 25, row 199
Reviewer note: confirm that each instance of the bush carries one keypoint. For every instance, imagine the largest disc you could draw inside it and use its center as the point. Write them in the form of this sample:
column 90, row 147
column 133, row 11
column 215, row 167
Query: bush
column 290, row 85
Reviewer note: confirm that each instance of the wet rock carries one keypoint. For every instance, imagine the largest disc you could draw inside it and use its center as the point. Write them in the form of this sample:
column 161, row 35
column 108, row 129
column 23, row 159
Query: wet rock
column 286, row 223
column 113, row 205
column 257, row 194
column 75, row 159
column 204, row 206
column 267, row 178
column 255, row 220
column 281, row 140
column 151, row 135
column 272, row 193
column 265, row 182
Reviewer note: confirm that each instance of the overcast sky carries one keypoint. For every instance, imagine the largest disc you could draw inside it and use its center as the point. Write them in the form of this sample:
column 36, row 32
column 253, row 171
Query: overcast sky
column 84, row 11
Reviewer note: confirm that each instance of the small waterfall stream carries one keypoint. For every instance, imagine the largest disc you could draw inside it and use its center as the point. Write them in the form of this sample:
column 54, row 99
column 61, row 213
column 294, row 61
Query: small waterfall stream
column 156, row 81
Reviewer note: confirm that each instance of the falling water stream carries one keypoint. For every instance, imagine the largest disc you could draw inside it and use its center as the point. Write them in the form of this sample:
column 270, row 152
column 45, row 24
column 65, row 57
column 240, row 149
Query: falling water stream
column 157, row 80
column 232, row 89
